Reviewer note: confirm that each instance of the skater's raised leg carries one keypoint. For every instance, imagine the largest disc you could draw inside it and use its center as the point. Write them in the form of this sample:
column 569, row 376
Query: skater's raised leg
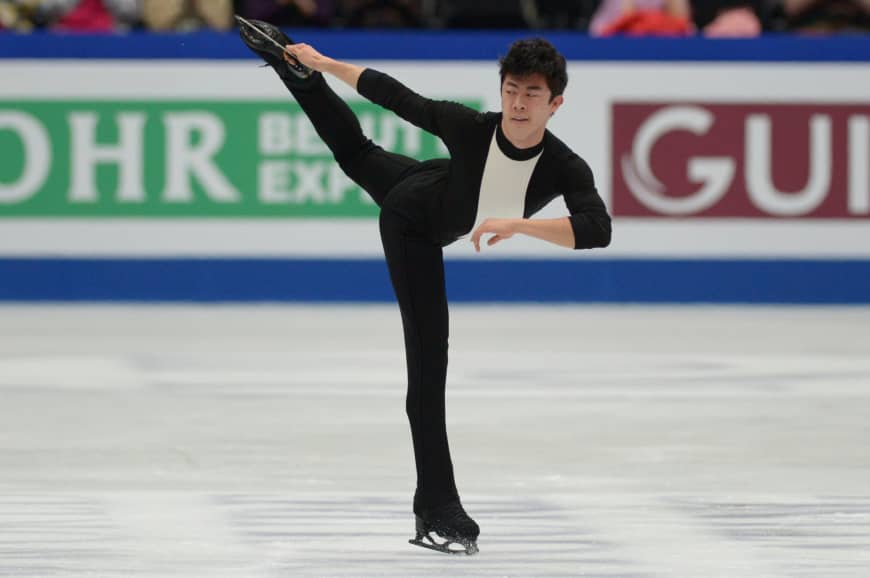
column 371, row 167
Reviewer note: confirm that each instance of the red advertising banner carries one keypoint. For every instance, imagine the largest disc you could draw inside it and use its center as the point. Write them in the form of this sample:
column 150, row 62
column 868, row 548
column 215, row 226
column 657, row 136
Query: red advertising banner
column 763, row 160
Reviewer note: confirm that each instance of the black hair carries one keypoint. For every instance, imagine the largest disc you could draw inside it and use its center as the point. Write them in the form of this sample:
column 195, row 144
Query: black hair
column 536, row 56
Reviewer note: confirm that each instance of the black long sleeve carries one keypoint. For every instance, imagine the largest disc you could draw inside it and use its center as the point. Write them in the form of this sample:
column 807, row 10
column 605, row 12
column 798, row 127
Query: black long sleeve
column 563, row 171
column 443, row 118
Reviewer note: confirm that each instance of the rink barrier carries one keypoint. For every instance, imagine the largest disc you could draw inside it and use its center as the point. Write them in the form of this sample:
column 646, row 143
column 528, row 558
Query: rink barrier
column 599, row 280
column 437, row 45
column 474, row 281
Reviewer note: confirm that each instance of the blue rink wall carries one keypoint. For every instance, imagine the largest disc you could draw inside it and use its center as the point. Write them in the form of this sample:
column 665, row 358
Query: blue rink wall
column 621, row 278
column 598, row 281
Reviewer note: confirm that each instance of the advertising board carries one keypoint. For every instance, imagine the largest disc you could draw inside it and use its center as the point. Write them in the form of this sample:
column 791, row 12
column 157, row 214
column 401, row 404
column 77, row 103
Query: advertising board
column 698, row 162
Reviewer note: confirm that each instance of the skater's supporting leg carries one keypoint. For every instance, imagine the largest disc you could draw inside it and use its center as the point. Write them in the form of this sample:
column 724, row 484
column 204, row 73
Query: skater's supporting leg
column 417, row 271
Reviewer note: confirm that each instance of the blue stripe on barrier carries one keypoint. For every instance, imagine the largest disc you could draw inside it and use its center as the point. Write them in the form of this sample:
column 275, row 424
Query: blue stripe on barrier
column 551, row 281
column 437, row 45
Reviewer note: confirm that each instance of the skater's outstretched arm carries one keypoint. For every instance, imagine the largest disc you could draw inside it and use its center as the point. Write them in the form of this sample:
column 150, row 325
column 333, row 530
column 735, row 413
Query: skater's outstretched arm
column 344, row 71
column 444, row 119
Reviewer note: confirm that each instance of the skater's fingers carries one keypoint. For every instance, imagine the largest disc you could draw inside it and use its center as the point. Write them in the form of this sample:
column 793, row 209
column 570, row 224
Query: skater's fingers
column 475, row 239
column 305, row 54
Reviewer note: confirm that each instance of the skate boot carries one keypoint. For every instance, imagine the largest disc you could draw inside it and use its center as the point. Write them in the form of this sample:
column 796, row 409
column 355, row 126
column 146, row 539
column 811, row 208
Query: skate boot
column 455, row 531
column 268, row 42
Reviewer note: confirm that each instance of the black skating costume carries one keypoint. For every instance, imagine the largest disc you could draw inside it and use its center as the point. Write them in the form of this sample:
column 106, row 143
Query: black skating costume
column 425, row 206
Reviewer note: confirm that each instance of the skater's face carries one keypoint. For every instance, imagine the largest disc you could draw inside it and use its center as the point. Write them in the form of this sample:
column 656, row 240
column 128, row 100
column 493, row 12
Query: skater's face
column 526, row 106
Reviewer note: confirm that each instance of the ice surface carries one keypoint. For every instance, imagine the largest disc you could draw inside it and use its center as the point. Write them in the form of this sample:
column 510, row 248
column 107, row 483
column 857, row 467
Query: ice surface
column 588, row 441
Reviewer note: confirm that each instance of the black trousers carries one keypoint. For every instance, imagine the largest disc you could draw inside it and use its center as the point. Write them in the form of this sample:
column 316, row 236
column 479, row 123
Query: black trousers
column 416, row 266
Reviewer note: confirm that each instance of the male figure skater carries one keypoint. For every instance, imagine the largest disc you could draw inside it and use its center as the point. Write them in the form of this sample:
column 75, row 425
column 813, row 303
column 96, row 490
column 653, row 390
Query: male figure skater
column 503, row 167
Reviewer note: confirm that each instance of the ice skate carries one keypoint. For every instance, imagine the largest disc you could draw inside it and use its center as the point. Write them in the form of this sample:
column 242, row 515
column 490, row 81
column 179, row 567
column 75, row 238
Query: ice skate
column 447, row 529
column 268, row 42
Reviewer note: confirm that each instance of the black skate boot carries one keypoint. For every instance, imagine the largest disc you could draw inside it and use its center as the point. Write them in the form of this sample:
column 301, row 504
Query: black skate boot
column 268, row 42
column 456, row 530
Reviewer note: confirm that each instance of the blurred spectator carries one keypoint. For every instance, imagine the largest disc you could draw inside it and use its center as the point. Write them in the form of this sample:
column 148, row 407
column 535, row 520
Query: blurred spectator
column 89, row 15
column 728, row 18
column 18, row 14
column 187, row 14
column 289, row 12
column 827, row 16
column 487, row 13
column 565, row 13
column 642, row 17
column 382, row 13
column 70, row 15
column 712, row 18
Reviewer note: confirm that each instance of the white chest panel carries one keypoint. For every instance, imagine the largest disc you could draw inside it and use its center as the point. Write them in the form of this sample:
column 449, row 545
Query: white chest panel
column 504, row 184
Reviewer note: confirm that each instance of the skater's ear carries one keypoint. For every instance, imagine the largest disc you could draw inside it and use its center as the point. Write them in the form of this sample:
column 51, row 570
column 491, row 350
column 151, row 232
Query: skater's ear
column 555, row 103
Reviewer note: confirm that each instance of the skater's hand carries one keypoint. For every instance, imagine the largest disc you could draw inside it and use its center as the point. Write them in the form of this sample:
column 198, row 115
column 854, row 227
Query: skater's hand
column 502, row 229
column 308, row 56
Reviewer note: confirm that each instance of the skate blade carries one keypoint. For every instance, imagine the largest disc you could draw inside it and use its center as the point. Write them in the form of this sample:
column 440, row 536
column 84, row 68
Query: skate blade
column 262, row 35
column 297, row 67
column 467, row 548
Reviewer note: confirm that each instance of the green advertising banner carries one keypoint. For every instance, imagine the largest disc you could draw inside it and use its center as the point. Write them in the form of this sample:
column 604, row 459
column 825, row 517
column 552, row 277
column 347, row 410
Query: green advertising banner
column 72, row 158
